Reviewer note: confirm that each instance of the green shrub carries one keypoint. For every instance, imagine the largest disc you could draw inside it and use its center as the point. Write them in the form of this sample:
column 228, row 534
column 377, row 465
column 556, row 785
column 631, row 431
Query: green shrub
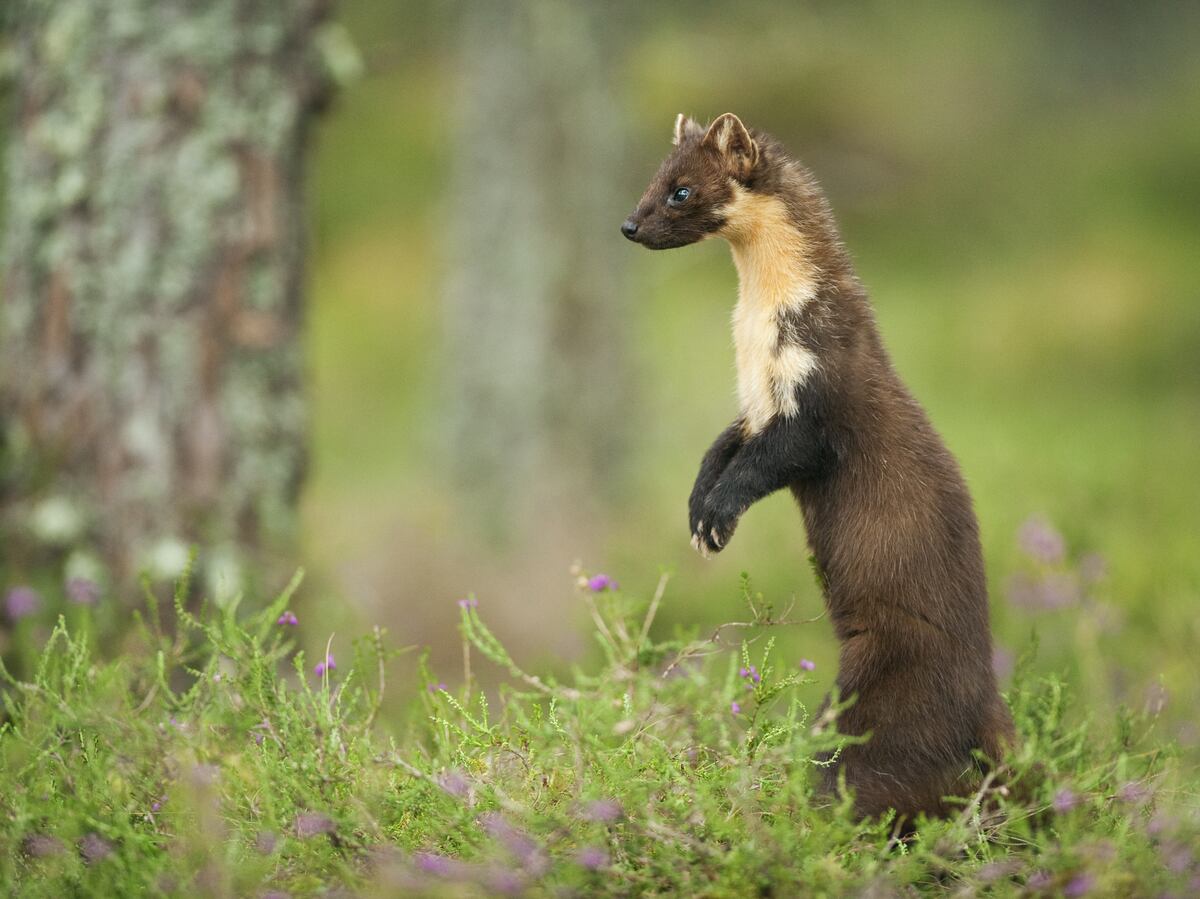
column 217, row 763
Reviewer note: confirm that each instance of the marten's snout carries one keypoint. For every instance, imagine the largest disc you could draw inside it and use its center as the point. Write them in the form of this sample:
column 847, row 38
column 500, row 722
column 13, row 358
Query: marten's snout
column 629, row 228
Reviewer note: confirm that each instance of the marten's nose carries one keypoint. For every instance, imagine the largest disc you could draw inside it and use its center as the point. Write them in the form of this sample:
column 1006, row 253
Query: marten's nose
column 629, row 228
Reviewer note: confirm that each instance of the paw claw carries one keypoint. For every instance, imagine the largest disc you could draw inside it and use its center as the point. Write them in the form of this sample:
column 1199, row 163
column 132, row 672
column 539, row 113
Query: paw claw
column 716, row 539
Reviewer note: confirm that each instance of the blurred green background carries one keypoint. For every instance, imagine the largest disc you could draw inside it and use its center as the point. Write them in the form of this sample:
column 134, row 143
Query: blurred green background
column 1019, row 184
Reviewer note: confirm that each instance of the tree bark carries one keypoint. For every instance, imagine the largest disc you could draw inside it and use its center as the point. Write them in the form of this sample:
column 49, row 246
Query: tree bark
column 534, row 316
column 151, row 377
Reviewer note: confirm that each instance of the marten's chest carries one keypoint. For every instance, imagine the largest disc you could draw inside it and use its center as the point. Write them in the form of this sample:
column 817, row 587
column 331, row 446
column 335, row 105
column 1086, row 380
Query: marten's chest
column 772, row 364
column 776, row 280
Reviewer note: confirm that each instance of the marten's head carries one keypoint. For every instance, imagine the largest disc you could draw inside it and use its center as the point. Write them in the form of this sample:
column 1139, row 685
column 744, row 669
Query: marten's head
column 687, row 200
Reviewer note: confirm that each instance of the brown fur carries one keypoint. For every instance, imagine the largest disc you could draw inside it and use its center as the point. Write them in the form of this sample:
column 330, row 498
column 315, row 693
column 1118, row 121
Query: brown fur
column 824, row 413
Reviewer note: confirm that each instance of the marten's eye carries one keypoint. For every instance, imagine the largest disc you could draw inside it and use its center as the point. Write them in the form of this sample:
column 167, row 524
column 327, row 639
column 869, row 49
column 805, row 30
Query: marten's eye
column 681, row 194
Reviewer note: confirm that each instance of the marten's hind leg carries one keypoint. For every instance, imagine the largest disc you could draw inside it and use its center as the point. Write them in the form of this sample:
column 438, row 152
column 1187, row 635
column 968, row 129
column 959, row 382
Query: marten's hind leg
column 880, row 780
column 997, row 735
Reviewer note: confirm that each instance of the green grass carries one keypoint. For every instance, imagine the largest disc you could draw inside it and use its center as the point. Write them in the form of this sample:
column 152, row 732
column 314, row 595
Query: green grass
column 215, row 762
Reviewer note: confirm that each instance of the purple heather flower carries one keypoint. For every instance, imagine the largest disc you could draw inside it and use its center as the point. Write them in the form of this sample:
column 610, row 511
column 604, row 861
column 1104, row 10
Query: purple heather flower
column 288, row 618
column 313, row 824
column 157, row 804
column 993, row 871
column 1003, row 661
column 259, row 731
column 83, row 591
column 592, row 857
column 21, row 601
column 1060, row 589
column 808, row 664
column 1039, row 880
column 503, row 882
column 40, row 845
column 751, row 673
column 1177, row 857
column 1161, row 823
column 1064, row 800
column 94, row 848
column 469, row 603
column 603, row 811
column 1134, row 793
column 455, row 784
column 181, row 726
column 1040, row 541
column 437, row 865
column 1054, row 591
column 1079, row 885
column 600, row 582
column 433, row 688
column 735, row 707
column 328, row 665
column 265, row 842
column 516, row 841
column 1023, row 591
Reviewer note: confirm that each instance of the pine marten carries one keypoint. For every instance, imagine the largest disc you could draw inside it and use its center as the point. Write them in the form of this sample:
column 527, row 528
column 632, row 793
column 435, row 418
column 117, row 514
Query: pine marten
column 823, row 413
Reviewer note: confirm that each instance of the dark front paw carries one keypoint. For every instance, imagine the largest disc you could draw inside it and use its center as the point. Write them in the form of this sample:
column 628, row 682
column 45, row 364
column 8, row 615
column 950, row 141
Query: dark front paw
column 696, row 505
column 713, row 526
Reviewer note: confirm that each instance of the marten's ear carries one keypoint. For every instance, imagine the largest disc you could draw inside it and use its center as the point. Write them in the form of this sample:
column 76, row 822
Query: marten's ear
column 685, row 128
column 729, row 138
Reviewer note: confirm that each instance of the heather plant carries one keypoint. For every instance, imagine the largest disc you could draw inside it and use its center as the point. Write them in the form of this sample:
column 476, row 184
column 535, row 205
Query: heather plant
column 222, row 762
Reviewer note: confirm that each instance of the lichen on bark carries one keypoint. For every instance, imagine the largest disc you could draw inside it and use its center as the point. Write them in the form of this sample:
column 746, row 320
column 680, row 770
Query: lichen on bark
column 151, row 376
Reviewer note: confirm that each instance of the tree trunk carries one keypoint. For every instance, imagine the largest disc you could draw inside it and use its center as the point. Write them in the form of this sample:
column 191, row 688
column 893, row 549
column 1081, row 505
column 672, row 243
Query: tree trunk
column 151, row 377
column 534, row 315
